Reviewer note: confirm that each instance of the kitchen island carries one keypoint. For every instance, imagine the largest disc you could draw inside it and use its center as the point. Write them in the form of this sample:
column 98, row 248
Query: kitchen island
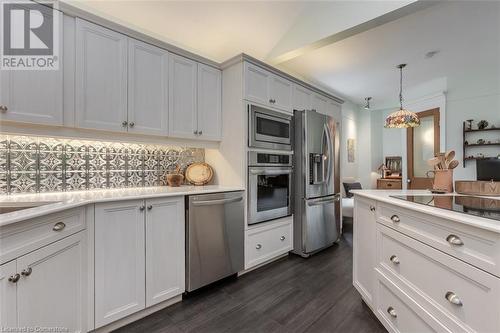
column 422, row 267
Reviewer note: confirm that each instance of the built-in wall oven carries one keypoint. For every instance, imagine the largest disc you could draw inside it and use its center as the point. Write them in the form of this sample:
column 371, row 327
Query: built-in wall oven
column 269, row 186
column 269, row 129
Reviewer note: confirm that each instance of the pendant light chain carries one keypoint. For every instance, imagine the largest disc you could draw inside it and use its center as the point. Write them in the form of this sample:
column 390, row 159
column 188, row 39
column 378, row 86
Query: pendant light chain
column 401, row 87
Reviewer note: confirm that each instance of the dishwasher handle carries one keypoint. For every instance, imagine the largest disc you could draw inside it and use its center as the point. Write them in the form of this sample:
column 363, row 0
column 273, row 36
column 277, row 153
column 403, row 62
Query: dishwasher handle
column 216, row 202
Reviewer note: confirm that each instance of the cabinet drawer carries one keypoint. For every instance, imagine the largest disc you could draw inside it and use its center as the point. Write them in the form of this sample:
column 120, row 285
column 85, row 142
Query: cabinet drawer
column 23, row 237
column 480, row 248
column 399, row 313
column 455, row 291
column 264, row 244
column 389, row 184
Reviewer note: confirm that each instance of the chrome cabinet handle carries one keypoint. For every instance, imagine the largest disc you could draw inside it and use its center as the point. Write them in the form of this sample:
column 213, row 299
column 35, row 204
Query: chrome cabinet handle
column 150, row 207
column 195, row 132
column 392, row 312
column 59, row 226
column 200, row 132
column 14, row 278
column 124, row 123
column 272, row 101
column 27, row 271
column 132, row 124
column 3, row 108
column 372, row 208
column 141, row 208
column 454, row 240
column 282, row 238
column 453, row 298
column 394, row 259
column 258, row 247
column 395, row 218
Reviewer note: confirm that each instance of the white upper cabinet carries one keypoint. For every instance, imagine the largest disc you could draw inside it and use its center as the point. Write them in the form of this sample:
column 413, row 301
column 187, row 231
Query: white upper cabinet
column 280, row 93
column 147, row 89
column 33, row 96
column 266, row 88
column 320, row 103
column 165, row 259
column 182, row 97
column 209, row 103
column 256, row 84
column 101, row 78
column 119, row 260
column 302, row 98
column 52, row 291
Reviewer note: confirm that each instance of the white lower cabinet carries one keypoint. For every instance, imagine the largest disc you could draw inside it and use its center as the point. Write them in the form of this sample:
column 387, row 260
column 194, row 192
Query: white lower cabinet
column 139, row 256
column 47, row 287
column 165, row 257
column 119, row 260
column 266, row 242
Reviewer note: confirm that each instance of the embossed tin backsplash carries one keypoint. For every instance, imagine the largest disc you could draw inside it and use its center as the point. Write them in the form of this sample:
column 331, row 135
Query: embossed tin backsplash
column 38, row 164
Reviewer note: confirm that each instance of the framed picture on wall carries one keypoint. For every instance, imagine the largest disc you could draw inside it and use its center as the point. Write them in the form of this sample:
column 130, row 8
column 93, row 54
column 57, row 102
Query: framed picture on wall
column 351, row 144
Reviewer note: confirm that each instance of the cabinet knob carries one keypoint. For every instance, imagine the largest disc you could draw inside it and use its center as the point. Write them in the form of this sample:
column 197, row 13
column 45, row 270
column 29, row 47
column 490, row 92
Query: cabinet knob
column 282, row 238
column 59, row 226
column 272, row 101
column 14, row 278
column 3, row 108
column 453, row 298
column 150, row 207
column 394, row 259
column 372, row 208
column 258, row 246
column 141, row 208
column 27, row 271
column 392, row 312
column 124, row 123
column 132, row 124
column 395, row 218
column 195, row 132
column 454, row 240
column 200, row 132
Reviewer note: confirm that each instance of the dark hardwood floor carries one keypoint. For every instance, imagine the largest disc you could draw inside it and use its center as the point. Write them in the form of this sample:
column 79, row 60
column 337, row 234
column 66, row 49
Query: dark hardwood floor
column 290, row 295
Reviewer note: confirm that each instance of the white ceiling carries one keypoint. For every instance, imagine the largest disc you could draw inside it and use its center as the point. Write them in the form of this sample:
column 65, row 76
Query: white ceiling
column 466, row 34
column 220, row 30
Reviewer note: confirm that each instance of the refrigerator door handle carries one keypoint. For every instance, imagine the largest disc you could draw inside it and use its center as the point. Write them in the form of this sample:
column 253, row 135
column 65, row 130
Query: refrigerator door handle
column 330, row 153
column 322, row 201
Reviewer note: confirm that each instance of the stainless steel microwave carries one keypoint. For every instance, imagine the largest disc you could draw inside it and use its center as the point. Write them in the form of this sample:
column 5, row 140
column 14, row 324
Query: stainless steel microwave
column 269, row 129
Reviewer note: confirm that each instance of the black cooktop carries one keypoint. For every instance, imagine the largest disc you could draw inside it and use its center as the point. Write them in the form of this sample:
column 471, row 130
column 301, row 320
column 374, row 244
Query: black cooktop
column 477, row 206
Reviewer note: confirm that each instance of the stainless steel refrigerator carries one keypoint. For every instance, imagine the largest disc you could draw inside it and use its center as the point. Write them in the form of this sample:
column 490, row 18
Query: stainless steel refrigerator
column 317, row 223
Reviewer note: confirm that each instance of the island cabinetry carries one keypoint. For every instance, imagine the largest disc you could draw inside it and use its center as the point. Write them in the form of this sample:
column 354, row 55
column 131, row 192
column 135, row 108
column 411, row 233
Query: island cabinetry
column 364, row 249
column 429, row 273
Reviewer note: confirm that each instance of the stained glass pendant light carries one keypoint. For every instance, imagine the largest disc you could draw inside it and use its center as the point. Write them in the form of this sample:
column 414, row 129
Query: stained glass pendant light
column 402, row 118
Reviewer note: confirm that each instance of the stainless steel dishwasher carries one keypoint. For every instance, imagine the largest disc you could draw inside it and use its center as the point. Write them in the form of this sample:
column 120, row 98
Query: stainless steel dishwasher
column 214, row 237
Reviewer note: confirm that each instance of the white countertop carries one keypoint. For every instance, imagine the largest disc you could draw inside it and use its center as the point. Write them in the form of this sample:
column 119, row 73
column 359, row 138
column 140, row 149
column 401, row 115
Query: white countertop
column 67, row 200
column 384, row 196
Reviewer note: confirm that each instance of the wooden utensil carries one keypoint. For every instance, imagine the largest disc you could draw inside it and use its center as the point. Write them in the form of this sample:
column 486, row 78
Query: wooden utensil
column 449, row 156
column 453, row 164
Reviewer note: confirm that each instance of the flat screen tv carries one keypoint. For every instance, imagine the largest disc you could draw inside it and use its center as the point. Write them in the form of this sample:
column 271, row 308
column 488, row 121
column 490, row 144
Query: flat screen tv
column 488, row 169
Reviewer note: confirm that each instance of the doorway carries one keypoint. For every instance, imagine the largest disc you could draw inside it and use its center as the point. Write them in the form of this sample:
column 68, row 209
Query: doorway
column 423, row 143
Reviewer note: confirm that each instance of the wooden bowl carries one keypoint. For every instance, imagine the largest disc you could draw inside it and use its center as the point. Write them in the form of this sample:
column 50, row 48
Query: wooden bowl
column 175, row 180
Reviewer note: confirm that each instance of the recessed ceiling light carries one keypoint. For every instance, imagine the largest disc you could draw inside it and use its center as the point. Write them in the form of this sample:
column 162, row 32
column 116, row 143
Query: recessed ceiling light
column 431, row 54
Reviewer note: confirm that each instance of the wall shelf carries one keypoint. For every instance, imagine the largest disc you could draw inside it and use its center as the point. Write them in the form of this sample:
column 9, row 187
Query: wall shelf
column 466, row 130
